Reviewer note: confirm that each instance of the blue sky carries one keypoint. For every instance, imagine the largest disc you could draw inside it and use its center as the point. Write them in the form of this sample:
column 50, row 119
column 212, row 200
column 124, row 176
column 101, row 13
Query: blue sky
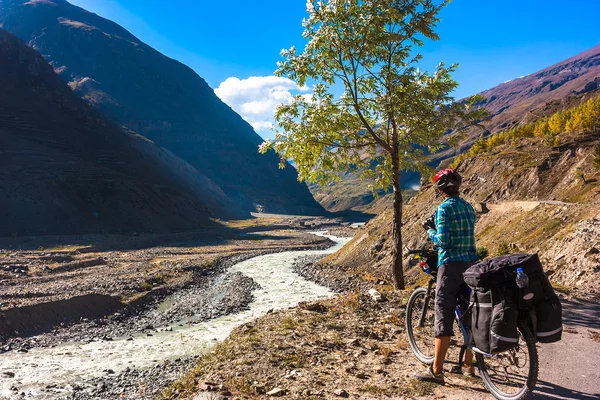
column 227, row 42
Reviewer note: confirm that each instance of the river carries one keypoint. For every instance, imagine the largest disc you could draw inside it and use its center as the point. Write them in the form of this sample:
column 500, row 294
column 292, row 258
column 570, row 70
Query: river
column 71, row 363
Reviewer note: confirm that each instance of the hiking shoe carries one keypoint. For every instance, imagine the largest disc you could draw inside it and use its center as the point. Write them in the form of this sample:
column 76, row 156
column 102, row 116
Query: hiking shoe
column 468, row 370
column 429, row 376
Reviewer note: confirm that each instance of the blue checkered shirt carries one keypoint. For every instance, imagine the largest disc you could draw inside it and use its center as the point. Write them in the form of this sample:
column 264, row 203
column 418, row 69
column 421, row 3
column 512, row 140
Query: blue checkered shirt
column 455, row 235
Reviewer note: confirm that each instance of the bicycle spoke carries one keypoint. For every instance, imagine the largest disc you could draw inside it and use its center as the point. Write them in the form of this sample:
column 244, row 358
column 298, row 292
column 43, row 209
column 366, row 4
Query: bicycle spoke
column 511, row 374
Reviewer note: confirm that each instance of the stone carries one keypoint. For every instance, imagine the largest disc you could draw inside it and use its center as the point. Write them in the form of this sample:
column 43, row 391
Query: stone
column 341, row 393
column 8, row 374
column 375, row 295
column 276, row 392
column 481, row 208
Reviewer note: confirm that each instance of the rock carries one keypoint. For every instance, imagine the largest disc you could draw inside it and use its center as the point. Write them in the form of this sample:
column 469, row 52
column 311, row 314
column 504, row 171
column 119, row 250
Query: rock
column 276, row 392
column 360, row 375
column 8, row 374
column 592, row 251
column 481, row 208
column 375, row 295
column 376, row 247
column 341, row 393
column 205, row 385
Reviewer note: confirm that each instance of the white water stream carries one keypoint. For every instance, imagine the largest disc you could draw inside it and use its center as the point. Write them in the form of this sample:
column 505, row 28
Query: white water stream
column 281, row 287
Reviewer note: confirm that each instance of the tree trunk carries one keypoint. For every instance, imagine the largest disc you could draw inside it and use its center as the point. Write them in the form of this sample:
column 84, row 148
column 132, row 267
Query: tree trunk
column 397, row 269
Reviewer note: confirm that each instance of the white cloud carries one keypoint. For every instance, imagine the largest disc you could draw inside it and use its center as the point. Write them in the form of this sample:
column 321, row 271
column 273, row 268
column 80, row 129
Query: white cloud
column 256, row 98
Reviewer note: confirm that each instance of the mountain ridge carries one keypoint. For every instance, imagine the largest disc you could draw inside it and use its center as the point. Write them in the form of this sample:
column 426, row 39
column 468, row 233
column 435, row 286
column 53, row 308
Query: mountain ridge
column 66, row 169
column 158, row 97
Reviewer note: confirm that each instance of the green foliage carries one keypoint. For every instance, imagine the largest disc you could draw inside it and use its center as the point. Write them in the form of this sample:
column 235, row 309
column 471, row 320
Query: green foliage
column 389, row 108
column 503, row 249
column 146, row 286
column 584, row 118
column 482, row 252
column 596, row 160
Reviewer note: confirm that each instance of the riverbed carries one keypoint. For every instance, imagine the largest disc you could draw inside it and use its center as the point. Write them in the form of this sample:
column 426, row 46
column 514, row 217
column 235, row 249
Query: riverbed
column 58, row 372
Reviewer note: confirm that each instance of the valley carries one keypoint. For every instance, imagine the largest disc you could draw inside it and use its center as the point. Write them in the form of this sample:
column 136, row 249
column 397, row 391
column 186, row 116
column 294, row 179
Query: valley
column 148, row 250
column 93, row 304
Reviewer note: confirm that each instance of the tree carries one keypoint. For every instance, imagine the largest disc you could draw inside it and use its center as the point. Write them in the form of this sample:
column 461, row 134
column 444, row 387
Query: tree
column 389, row 110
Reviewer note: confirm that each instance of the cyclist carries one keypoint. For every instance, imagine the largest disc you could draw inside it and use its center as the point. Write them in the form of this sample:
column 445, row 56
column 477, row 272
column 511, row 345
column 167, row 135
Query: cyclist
column 452, row 230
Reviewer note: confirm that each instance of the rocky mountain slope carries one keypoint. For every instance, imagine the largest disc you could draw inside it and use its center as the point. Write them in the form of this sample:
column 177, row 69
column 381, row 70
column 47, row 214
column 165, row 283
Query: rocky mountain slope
column 66, row 169
column 529, row 196
column 159, row 98
column 522, row 100
column 515, row 101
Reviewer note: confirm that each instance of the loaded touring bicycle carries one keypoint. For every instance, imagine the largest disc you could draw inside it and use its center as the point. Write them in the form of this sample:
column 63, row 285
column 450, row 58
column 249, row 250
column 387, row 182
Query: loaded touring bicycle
column 507, row 307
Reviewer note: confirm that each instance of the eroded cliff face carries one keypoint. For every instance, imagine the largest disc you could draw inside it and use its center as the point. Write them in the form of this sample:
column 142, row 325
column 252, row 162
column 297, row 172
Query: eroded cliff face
column 158, row 97
column 64, row 168
column 529, row 197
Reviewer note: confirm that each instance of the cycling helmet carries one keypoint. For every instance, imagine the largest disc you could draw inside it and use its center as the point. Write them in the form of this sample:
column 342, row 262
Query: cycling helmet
column 446, row 179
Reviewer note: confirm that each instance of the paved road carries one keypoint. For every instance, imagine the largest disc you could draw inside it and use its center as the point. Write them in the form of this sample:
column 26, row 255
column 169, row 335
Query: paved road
column 570, row 369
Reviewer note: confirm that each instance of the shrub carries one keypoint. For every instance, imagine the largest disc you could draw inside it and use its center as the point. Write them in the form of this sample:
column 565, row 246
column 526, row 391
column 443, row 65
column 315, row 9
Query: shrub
column 596, row 161
column 146, row 287
column 503, row 248
column 482, row 252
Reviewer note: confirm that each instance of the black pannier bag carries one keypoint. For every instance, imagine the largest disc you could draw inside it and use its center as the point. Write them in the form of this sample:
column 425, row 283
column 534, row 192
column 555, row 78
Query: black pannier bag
column 548, row 310
column 495, row 319
column 497, row 271
column 493, row 282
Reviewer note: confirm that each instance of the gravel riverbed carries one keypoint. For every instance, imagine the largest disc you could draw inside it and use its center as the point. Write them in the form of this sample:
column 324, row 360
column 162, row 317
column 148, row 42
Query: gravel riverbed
column 212, row 293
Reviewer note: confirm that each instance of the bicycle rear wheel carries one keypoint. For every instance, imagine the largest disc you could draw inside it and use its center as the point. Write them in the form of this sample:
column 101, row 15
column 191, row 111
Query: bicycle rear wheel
column 511, row 375
column 421, row 339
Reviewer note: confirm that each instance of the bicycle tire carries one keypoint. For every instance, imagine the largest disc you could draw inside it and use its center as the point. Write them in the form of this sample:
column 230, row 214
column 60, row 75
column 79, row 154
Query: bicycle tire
column 527, row 390
column 417, row 295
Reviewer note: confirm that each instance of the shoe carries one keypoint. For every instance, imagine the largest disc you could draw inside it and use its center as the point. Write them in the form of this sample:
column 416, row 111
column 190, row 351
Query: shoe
column 468, row 370
column 429, row 376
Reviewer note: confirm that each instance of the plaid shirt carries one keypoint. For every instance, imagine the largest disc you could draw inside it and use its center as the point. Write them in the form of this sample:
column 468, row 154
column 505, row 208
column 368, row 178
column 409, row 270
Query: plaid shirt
column 455, row 235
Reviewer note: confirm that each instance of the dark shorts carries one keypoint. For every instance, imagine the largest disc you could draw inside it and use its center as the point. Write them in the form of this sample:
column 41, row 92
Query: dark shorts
column 449, row 283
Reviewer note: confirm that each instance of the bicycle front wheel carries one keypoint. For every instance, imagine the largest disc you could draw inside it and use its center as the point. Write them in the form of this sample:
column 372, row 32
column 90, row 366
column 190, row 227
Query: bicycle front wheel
column 511, row 375
column 421, row 338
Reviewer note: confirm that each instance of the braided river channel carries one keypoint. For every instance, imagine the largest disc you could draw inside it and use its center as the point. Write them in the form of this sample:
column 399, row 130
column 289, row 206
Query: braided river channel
column 73, row 362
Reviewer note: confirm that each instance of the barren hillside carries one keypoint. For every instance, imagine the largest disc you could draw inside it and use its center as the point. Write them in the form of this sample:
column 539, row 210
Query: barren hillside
column 66, row 169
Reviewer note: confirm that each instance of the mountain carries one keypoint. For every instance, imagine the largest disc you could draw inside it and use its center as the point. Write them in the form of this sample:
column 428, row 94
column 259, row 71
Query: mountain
column 516, row 101
column 158, row 97
column 519, row 101
column 64, row 168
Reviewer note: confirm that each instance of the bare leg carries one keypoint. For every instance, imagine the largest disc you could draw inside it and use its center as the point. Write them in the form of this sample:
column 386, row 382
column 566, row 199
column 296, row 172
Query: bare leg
column 442, row 344
column 468, row 361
